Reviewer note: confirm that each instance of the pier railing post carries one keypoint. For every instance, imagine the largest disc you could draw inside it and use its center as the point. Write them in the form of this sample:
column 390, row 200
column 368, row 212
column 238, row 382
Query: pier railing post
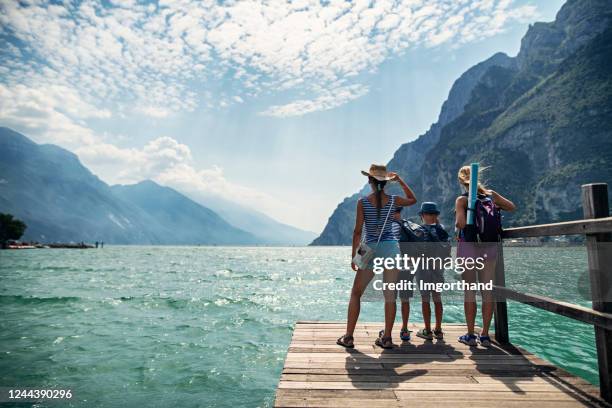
column 501, row 308
column 595, row 205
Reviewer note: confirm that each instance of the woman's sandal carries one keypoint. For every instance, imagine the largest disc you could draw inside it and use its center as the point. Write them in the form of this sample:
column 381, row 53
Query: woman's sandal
column 346, row 341
column 384, row 342
column 485, row 341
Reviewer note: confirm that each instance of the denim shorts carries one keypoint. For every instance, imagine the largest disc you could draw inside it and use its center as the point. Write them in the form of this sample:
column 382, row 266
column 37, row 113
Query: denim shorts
column 385, row 249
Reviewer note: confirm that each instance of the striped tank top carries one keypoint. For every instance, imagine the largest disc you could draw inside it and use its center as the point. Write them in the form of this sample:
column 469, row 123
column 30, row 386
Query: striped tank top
column 373, row 225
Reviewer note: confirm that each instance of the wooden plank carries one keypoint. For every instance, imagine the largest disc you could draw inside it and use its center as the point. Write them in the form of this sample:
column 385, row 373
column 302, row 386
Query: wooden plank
column 408, row 356
column 323, row 346
column 485, row 368
column 448, row 347
column 499, row 371
column 586, row 226
column 415, row 358
column 576, row 312
column 356, row 394
column 318, row 362
column 440, row 387
column 433, row 378
column 499, row 397
column 343, row 403
column 335, row 402
column 392, row 377
column 595, row 206
column 318, row 373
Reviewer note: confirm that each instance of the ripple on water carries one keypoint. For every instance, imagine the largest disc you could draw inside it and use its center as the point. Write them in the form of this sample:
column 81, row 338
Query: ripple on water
column 204, row 326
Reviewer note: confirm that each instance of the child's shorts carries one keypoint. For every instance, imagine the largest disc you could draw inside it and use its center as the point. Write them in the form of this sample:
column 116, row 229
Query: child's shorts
column 434, row 276
column 405, row 294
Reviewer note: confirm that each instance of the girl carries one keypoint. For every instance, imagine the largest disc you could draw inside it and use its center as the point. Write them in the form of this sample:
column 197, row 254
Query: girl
column 373, row 211
column 467, row 247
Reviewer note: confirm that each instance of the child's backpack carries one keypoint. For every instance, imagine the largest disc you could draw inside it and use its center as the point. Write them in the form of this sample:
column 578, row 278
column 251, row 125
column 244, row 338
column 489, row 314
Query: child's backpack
column 412, row 232
column 432, row 240
column 487, row 222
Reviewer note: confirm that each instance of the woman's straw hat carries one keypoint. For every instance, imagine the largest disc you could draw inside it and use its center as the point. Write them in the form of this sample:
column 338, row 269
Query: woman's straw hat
column 377, row 171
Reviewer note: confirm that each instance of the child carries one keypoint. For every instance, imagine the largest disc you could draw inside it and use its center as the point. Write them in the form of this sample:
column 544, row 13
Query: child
column 436, row 240
column 404, row 294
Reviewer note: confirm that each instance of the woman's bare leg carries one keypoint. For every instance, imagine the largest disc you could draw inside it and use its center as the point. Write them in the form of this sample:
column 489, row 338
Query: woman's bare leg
column 361, row 281
column 484, row 276
column 390, row 275
column 469, row 302
column 405, row 313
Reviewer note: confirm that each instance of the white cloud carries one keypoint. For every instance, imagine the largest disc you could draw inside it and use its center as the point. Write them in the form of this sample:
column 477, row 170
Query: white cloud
column 64, row 65
column 160, row 59
column 327, row 99
column 43, row 113
column 169, row 163
column 152, row 111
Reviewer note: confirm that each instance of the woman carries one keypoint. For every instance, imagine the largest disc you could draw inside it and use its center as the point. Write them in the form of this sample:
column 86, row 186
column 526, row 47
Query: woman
column 372, row 211
column 467, row 247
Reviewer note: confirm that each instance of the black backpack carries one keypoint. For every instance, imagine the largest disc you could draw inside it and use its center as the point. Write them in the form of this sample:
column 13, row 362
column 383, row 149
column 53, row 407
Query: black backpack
column 412, row 232
column 417, row 239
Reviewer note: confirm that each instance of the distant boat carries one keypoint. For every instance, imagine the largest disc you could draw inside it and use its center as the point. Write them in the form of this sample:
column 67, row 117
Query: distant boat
column 19, row 245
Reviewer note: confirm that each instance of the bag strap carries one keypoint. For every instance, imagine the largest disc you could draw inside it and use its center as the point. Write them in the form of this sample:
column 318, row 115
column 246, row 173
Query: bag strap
column 386, row 218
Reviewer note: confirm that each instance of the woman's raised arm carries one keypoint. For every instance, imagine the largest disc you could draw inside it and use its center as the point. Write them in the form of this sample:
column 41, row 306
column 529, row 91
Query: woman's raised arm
column 502, row 202
column 409, row 198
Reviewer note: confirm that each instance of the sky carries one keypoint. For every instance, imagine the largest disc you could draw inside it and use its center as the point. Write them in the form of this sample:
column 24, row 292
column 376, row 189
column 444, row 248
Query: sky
column 274, row 105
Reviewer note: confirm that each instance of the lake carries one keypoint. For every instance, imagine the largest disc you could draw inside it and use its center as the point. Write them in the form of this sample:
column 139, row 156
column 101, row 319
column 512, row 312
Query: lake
column 202, row 326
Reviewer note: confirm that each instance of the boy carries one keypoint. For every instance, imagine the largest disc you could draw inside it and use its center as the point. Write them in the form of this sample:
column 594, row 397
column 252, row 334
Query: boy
column 404, row 294
column 436, row 246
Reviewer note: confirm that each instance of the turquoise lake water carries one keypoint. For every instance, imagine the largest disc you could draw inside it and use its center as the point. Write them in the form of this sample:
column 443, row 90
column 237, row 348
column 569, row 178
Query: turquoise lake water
column 206, row 326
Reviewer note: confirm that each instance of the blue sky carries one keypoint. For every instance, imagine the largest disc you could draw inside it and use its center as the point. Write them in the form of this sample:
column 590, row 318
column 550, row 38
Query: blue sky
column 276, row 105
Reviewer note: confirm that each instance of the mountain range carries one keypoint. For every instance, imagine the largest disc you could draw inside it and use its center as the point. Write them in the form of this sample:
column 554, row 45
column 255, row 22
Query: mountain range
column 541, row 121
column 61, row 200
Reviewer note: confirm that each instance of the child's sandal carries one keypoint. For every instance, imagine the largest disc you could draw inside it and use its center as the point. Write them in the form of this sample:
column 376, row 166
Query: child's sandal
column 405, row 335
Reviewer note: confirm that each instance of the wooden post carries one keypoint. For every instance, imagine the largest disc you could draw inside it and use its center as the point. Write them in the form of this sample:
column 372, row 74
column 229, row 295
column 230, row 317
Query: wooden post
column 501, row 308
column 595, row 205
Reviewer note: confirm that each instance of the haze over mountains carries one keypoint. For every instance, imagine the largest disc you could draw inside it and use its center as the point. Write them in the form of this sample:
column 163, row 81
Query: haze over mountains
column 542, row 120
column 61, row 200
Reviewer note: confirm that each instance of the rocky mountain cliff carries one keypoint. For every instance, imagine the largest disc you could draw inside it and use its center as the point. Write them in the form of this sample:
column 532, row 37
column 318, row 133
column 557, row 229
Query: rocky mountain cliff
column 541, row 120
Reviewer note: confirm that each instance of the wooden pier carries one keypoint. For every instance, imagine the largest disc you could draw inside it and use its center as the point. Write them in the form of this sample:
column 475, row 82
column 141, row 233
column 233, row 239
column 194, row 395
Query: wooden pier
column 319, row 373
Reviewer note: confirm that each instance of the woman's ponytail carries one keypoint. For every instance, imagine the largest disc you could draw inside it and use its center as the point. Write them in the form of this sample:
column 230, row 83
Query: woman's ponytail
column 380, row 186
